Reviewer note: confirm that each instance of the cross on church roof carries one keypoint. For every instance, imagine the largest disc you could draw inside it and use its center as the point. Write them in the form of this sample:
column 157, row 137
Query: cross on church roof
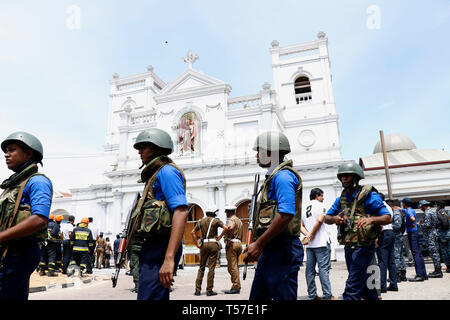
column 190, row 58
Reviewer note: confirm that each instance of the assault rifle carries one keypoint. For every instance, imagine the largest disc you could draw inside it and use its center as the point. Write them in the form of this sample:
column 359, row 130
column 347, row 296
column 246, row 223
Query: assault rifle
column 130, row 226
column 250, row 219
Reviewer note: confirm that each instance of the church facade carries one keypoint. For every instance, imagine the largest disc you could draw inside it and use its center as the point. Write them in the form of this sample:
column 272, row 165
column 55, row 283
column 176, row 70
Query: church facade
column 213, row 134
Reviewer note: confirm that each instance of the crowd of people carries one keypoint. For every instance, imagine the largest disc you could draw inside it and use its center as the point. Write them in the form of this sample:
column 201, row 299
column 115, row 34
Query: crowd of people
column 374, row 233
column 397, row 241
column 69, row 245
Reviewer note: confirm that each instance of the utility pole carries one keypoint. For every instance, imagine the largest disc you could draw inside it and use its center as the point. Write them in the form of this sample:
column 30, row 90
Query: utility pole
column 386, row 165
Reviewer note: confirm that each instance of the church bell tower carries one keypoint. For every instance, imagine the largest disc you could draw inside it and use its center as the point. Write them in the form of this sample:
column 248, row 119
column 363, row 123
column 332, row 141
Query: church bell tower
column 302, row 80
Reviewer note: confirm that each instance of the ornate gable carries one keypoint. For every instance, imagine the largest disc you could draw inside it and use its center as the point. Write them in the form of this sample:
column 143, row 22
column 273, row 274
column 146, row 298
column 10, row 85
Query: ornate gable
column 190, row 80
column 191, row 83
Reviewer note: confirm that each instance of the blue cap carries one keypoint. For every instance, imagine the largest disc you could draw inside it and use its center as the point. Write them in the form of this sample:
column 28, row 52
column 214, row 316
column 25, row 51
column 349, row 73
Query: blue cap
column 407, row 201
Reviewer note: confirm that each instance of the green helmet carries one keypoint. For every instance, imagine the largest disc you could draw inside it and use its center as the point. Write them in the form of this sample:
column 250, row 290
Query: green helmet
column 27, row 139
column 156, row 136
column 272, row 141
column 350, row 167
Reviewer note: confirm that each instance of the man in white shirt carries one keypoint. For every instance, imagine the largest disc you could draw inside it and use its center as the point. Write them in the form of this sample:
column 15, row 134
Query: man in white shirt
column 317, row 243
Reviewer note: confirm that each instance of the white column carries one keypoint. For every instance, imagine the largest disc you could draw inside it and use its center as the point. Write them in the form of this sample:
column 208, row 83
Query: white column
column 211, row 195
column 103, row 227
column 123, row 130
column 117, row 211
column 222, row 216
column 266, row 107
column 265, row 94
column 221, row 202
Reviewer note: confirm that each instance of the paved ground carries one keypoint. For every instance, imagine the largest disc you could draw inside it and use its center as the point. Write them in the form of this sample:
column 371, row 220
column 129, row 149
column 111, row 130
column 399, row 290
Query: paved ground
column 101, row 289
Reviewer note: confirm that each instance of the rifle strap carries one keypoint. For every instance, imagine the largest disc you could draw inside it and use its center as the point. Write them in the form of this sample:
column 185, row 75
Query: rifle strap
column 137, row 210
column 353, row 208
column 144, row 195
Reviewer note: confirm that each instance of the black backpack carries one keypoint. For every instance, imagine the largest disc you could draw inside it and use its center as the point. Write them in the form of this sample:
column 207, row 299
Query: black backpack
column 443, row 219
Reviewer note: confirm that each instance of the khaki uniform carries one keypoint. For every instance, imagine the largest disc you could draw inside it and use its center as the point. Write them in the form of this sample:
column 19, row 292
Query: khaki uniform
column 233, row 250
column 101, row 244
column 108, row 251
column 208, row 251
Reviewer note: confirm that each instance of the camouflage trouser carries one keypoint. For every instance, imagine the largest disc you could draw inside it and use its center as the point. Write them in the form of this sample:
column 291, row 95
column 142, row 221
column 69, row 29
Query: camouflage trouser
column 444, row 239
column 433, row 249
column 134, row 262
column 398, row 252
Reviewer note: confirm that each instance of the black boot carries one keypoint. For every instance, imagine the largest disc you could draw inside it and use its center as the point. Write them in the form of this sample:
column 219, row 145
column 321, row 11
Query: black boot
column 437, row 273
column 403, row 275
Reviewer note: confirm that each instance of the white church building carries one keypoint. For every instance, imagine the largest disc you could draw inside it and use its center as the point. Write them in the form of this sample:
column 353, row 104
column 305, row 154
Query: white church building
column 213, row 133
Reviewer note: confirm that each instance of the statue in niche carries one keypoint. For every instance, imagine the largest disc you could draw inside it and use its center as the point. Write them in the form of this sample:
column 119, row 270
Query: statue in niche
column 188, row 134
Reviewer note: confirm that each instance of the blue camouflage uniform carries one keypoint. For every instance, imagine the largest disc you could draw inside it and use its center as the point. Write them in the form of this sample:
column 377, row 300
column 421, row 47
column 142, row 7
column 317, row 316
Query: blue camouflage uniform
column 444, row 239
column 397, row 218
column 430, row 233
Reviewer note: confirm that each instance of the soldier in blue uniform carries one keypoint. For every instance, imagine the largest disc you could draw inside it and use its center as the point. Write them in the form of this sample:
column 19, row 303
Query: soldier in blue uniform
column 163, row 215
column 25, row 208
column 277, row 223
column 411, row 227
column 429, row 227
column 359, row 212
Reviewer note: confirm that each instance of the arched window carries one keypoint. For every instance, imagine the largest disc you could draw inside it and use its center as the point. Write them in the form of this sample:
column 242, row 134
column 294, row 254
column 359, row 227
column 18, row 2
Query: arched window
column 302, row 88
column 195, row 214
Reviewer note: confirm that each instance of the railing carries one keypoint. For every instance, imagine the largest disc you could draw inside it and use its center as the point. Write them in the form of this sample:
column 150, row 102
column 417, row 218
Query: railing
column 244, row 102
column 143, row 117
column 130, row 85
column 303, row 98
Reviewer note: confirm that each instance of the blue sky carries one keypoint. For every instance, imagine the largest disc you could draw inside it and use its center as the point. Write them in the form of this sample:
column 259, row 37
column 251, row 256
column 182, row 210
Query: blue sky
column 55, row 80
